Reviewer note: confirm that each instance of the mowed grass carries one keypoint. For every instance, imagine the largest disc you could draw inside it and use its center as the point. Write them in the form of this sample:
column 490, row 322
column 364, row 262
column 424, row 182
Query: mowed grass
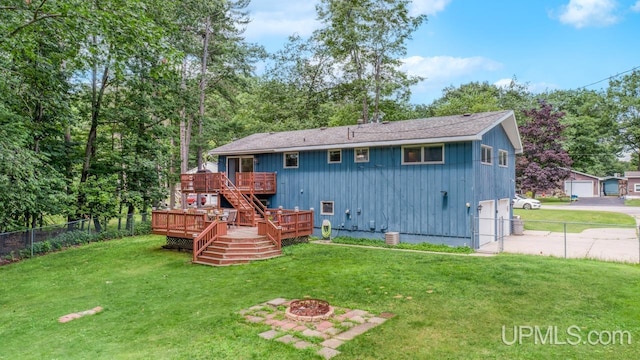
column 576, row 220
column 157, row 305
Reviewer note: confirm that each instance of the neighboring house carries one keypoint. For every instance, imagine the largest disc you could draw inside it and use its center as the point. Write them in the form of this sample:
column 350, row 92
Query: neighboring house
column 613, row 186
column 586, row 185
column 441, row 180
column 633, row 184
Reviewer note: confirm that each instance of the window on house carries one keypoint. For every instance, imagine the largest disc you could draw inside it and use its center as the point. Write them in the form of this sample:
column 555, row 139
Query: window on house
column 487, row 154
column 291, row 160
column 335, row 156
column 636, row 187
column 427, row 154
column 433, row 154
column 326, row 207
column 412, row 155
column 502, row 158
column 361, row 155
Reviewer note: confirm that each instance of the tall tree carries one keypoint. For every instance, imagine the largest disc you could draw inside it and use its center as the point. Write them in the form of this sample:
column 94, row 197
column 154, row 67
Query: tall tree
column 476, row 97
column 590, row 130
column 543, row 163
column 367, row 37
column 624, row 95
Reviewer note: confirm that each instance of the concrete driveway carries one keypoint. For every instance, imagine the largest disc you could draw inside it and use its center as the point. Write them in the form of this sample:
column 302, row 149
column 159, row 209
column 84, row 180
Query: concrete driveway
column 609, row 244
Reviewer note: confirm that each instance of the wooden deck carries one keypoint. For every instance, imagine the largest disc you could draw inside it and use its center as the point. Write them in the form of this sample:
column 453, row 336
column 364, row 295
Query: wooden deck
column 258, row 183
column 214, row 242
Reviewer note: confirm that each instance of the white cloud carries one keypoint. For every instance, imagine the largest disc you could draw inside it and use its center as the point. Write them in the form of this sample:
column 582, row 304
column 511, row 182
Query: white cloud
column 428, row 7
column 503, row 83
column 287, row 18
column 585, row 13
column 439, row 68
column 636, row 7
column 535, row 88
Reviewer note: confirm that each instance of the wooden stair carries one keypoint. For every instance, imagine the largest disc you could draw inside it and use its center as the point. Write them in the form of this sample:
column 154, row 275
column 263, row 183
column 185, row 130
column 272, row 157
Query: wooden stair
column 238, row 247
column 247, row 214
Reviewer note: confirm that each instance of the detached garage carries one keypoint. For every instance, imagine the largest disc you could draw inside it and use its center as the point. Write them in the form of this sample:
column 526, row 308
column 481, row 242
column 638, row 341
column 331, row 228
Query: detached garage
column 581, row 184
column 582, row 188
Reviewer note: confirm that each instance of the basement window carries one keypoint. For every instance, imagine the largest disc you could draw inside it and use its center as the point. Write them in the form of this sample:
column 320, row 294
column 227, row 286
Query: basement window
column 326, row 207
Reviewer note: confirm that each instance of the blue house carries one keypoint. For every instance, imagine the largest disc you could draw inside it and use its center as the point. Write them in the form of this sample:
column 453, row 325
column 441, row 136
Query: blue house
column 442, row 180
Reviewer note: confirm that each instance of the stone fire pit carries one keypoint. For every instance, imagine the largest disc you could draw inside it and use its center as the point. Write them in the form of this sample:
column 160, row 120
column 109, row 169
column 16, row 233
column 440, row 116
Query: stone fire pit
column 308, row 310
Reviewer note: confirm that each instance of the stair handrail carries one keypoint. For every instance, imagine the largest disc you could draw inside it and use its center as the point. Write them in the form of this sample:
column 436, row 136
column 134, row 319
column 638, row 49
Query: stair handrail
column 258, row 205
column 207, row 237
column 227, row 184
column 272, row 231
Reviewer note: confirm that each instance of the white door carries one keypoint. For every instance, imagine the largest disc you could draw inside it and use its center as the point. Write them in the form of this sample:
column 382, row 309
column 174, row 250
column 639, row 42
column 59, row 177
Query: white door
column 486, row 222
column 582, row 188
column 503, row 212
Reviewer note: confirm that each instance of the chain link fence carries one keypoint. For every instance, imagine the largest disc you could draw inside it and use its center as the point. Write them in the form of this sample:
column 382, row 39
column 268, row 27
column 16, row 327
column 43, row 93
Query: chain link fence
column 608, row 242
column 43, row 239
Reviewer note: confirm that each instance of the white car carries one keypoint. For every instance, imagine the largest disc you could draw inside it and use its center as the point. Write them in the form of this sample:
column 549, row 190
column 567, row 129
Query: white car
column 521, row 202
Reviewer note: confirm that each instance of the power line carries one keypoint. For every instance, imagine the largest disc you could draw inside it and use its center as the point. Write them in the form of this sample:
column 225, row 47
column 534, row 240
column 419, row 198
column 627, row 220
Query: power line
column 610, row 77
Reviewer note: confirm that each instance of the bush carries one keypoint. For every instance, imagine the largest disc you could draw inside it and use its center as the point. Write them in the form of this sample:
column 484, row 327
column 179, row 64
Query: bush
column 77, row 237
column 143, row 228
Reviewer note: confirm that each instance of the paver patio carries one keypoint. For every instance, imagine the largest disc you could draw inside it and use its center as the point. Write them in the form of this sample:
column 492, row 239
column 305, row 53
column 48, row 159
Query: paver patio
column 343, row 326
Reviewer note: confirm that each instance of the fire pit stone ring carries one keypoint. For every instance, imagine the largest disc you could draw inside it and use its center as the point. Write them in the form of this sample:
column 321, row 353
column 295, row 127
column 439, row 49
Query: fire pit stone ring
column 309, row 310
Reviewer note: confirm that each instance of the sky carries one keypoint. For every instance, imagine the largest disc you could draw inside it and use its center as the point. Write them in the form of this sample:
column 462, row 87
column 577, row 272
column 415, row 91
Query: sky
column 547, row 45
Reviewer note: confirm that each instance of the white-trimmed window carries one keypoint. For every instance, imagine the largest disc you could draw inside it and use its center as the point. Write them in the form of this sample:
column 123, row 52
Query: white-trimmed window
column 486, row 156
column 423, row 154
column 334, row 156
column 326, row 208
column 361, row 155
column 503, row 157
column 291, row 160
column 636, row 187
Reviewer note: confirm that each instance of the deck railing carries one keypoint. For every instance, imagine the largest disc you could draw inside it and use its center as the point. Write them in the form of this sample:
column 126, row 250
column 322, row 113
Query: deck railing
column 177, row 223
column 251, row 182
column 256, row 182
column 280, row 224
column 283, row 224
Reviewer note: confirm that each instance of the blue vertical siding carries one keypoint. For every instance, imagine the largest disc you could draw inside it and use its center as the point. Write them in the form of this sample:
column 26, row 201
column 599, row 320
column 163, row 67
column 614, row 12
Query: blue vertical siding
column 494, row 181
column 395, row 197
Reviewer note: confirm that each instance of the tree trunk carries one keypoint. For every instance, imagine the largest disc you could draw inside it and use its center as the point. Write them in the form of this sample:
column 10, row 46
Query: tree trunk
column 203, row 86
column 97, row 94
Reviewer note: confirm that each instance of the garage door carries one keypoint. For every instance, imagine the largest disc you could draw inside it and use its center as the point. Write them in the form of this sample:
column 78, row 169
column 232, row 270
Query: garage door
column 582, row 188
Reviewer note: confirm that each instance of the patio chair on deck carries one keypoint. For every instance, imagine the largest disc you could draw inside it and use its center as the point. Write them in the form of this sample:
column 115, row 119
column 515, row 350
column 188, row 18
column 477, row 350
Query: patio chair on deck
column 231, row 219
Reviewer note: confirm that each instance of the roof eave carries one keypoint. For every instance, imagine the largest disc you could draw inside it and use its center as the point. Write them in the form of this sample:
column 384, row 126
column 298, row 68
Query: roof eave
column 352, row 145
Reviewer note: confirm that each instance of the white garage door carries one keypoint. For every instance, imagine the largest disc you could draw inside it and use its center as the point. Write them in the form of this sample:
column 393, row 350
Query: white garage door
column 582, row 188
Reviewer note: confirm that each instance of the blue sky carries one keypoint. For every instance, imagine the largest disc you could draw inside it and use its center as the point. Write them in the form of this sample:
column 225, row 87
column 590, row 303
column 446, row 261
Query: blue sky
column 562, row 44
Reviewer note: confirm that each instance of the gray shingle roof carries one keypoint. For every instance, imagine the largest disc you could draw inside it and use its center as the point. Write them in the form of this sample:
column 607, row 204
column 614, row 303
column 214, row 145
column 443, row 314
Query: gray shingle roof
column 419, row 131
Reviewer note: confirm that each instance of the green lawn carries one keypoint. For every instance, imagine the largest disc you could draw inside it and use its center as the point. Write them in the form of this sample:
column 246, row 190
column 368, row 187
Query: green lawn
column 160, row 306
column 632, row 202
column 576, row 220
